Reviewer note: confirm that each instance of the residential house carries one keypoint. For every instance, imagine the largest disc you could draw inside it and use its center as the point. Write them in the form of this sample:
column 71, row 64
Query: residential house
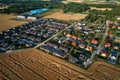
column 64, row 49
column 74, row 37
column 73, row 59
column 104, row 54
column 82, row 58
column 89, row 48
column 82, row 46
column 52, row 45
column 113, row 55
column 74, row 43
column 68, row 35
column 94, row 41
column 107, row 44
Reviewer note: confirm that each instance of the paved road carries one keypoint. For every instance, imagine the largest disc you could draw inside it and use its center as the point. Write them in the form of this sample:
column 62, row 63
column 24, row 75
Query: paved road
column 99, row 48
column 54, row 35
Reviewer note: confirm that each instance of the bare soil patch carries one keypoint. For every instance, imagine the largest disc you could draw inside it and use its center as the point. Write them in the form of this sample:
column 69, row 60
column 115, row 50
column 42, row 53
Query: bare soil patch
column 78, row 1
column 102, row 9
column 66, row 16
column 3, row 7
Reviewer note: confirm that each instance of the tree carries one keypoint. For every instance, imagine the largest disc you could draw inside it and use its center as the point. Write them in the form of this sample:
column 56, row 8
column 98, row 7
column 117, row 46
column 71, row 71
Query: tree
column 107, row 0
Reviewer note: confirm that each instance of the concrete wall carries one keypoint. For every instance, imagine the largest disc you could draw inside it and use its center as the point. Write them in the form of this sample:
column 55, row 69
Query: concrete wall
column 20, row 17
column 31, row 18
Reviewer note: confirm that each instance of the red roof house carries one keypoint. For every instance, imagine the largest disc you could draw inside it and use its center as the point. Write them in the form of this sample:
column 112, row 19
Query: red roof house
column 94, row 41
column 74, row 37
column 107, row 44
column 74, row 43
column 89, row 48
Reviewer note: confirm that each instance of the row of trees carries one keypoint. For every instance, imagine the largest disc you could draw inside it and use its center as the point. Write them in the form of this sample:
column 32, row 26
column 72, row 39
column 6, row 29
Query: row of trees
column 75, row 7
column 103, row 5
column 104, row 15
column 25, row 6
column 20, row 6
column 18, row 1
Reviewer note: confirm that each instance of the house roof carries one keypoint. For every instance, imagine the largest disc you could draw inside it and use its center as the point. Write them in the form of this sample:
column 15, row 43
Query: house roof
column 81, row 45
column 83, row 57
column 52, row 44
column 74, row 43
column 104, row 54
column 114, row 53
column 107, row 44
column 113, row 58
column 110, row 23
column 68, row 35
column 73, row 59
column 74, row 37
column 94, row 41
column 64, row 49
column 89, row 48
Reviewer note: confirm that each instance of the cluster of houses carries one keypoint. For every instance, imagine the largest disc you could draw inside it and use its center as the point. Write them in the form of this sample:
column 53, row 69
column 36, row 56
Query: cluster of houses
column 111, row 56
column 54, row 49
column 111, row 48
column 86, row 44
column 110, row 52
column 30, row 34
column 78, row 43
column 74, row 45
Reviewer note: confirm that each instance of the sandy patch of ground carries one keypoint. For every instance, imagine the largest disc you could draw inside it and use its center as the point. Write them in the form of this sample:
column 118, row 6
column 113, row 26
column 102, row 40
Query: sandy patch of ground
column 42, row 66
column 103, row 9
column 6, row 22
column 78, row 1
column 66, row 16
column 3, row 7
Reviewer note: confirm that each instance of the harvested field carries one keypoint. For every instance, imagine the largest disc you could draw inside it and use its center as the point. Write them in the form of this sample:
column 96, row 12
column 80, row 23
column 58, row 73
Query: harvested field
column 66, row 16
column 42, row 66
column 105, row 71
column 6, row 22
